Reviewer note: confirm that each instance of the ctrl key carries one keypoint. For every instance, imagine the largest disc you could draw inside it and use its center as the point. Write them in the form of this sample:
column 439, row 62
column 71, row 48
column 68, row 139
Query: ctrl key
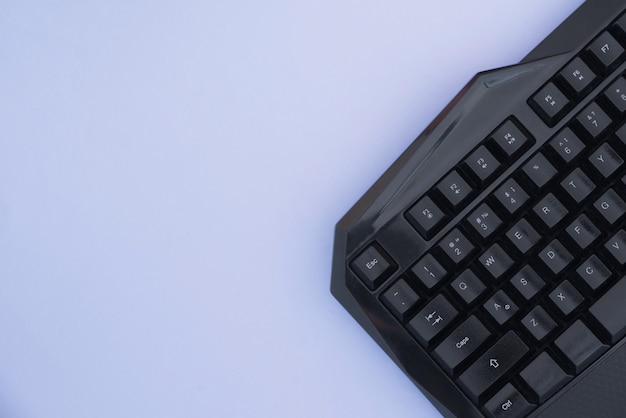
column 508, row 403
column 372, row 266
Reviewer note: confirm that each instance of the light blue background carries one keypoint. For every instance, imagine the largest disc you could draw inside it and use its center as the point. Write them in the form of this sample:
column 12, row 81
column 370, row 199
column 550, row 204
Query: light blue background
column 170, row 177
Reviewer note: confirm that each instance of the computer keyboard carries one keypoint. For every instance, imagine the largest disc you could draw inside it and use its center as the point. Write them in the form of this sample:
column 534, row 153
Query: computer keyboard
column 489, row 261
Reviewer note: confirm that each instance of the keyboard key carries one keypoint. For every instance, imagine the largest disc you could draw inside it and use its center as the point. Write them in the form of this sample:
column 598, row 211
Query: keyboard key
column 539, row 170
column 610, row 311
column 620, row 26
column 550, row 210
column 578, row 185
column 567, row 145
column 577, row 76
column 454, row 189
column 550, row 103
column 566, row 297
column 432, row 320
column 606, row 51
column 461, row 343
column 501, row 307
column 544, row 376
column 456, row 246
column 593, row 120
column 511, row 195
column 373, row 266
column 523, row 236
column 399, row 299
column 492, row 365
column 484, row 220
column 583, row 231
column 616, row 246
column 621, row 134
column 429, row 271
column 426, row 217
column 593, row 272
column 509, row 139
column 610, row 206
column 527, row 282
column 468, row 286
column 496, row 261
column 539, row 323
column 580, row 346
column 508, row 403
column 605, row 160
column 482, row 163
column 616, row 94
column 556, row 256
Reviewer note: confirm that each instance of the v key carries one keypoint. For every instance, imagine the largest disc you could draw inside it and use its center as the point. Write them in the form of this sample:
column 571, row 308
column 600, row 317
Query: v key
column 617, row 247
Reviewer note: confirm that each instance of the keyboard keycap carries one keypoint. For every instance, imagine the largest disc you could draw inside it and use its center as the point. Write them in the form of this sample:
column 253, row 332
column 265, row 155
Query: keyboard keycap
column 578, row 185
column 610, row 311
column 468, row 286
column 610, row 206
column 454, row 189
column 616, row 94
column 606, row 160
column 511, row 195
column 550, row 210
column 594, row 120
column 461, row 343
column 492, row 365
column 593, row 272
column 484, row 220
column 482, row 163
column 429, row 271
column 372, row 266
column 550, row 103
column 544, row 376
column 616, row 246
column 508, row 403
column 523, row 236
column 496, row 261
column 501, row 307
column 539, row 170
column 539, row 323
column 456, row 246
column 527, row 282
column 432, row 320
column 556, row 256
column 567, row 145
column 509, row 139
column 577, row 76
column 399, row 299
column 580, row 346
column 426, row 217
column 583, row 231
column 566, row 297
column 606, row 51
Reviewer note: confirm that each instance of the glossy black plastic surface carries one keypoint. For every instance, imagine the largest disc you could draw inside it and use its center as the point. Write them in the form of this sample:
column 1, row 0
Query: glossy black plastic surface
column 378, row 217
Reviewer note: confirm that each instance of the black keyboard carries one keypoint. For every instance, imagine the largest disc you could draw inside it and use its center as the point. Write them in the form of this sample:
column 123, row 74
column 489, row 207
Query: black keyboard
column 489, row 261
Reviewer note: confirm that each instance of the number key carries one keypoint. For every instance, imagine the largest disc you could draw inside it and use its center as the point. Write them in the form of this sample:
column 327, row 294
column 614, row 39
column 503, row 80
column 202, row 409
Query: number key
column 456, row 246
column 567, row 145
column 593, row 120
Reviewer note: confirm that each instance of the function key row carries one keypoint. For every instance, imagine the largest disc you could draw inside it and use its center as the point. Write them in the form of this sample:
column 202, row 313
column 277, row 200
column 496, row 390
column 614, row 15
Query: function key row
column 448, row 197
column 583, row 73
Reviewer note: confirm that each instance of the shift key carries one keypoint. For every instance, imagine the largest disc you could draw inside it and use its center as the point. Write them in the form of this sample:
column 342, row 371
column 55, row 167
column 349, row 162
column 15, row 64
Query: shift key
column 492, row 365
column 610, row 311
